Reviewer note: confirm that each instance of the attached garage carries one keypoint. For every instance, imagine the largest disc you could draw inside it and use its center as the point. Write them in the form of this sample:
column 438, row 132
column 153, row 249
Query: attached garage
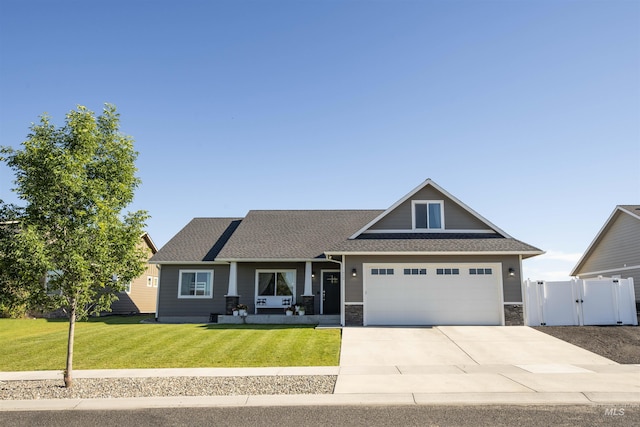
column 433, row 294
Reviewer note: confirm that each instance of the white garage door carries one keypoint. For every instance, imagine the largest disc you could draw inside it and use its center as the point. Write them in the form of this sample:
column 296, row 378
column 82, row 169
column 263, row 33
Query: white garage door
column 433, row 294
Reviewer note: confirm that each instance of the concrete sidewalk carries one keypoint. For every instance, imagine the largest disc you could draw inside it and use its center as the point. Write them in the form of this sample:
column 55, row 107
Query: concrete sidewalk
column 445, row 385
column 407, row 366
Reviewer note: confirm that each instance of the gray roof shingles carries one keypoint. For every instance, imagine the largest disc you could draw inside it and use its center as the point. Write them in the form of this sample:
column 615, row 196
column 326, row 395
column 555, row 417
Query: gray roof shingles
column 429, row 244
column 634, row 209
column 293, row 234
column 200, row 240
column 308, row 234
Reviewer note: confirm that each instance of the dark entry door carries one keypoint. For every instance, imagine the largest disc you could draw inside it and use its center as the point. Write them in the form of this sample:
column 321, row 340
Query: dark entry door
column 330, row 292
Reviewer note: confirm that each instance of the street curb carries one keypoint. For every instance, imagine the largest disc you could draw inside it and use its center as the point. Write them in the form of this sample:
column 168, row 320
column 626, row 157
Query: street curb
column 446, row 399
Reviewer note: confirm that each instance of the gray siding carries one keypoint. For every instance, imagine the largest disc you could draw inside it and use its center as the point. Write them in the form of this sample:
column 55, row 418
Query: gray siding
column 619, row 246
column 455, row 217
column 247, row 280
column 511, row 286
column 169, row 305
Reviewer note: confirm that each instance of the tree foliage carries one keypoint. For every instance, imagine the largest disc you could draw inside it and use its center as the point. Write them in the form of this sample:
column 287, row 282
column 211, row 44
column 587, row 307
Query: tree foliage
column 76, row 181
column 21, row 266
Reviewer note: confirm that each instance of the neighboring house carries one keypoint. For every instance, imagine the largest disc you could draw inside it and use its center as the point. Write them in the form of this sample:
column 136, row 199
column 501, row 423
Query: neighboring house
column 142, row 292
column 615, row 251
column 427, row 260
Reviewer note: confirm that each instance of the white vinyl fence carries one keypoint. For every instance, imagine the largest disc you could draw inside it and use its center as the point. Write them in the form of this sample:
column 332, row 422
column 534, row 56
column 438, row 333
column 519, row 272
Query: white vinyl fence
column 598, row 301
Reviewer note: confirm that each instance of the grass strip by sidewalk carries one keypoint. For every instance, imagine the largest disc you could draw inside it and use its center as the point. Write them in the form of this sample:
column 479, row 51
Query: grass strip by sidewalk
column 116, row 342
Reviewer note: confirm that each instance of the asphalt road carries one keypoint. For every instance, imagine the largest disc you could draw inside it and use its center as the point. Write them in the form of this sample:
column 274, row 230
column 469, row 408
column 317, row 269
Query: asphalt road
column 337, row 416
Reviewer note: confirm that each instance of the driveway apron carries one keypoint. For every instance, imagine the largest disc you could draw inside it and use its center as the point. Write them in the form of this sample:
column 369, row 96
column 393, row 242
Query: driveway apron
column 472, row 359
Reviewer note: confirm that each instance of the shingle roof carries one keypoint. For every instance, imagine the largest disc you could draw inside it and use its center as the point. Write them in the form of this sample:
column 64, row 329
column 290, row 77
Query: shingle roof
column 633, row 209
column 293, row 234
column 308, row 234
column 200, row 240
column 436, row 244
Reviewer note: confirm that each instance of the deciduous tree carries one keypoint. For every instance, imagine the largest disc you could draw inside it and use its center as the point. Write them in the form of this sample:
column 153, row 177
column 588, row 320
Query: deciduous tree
column 76, row 181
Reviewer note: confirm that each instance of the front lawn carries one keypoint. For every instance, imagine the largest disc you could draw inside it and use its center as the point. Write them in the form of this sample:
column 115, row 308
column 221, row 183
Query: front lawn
column 116, row 342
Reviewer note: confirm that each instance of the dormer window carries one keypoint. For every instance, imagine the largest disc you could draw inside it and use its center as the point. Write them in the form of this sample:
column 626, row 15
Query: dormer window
column 428, row 214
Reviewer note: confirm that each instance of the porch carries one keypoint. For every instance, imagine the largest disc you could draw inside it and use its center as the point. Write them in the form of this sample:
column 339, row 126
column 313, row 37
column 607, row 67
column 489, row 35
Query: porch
column 280, row 319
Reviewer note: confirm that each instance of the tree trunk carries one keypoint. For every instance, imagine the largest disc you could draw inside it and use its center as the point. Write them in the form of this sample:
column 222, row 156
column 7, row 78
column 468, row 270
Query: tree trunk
column 68, row 372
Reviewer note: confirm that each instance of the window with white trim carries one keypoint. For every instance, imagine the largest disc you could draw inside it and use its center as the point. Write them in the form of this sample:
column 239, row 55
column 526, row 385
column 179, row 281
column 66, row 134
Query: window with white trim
column 127, row 287
column 149, row 281
column 155, row 281
column 428, row 214
column 195, row 284
column 276, row 282
column 51, row 276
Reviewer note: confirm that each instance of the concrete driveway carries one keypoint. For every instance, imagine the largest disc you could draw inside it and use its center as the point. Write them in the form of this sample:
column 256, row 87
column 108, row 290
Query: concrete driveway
column 458, row 345
column 473, row 359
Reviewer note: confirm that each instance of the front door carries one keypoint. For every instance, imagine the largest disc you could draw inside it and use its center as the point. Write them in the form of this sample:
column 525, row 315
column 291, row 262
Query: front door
column 330, row 292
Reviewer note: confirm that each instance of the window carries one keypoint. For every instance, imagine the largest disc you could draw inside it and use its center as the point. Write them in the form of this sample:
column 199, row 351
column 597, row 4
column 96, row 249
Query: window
column 155, row 282
column 51, row 276
column 479, row 271
column 382, row 271
column 149, row 281
column 447, row 271
column 195, row 284
column 428, row 215
column 127, row 287
column 276, row 283
column 415, row 271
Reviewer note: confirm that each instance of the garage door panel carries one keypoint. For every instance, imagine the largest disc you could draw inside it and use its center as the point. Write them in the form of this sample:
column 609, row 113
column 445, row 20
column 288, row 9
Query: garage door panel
column 432, row 299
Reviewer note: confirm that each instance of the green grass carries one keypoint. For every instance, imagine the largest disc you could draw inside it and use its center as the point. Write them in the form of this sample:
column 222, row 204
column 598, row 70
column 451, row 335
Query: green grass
column 116, row 342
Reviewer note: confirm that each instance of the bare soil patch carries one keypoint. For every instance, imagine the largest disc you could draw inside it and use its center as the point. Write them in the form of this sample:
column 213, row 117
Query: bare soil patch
column 618, row 343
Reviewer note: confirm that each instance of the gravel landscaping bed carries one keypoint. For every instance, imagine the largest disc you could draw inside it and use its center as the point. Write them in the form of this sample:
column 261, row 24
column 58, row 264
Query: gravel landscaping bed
column 92, row 388
column 618, row 343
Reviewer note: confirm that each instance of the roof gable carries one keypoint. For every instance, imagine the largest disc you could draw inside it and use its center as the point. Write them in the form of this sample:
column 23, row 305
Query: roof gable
column 631, row 212
column 458, row 217
column 149, row 242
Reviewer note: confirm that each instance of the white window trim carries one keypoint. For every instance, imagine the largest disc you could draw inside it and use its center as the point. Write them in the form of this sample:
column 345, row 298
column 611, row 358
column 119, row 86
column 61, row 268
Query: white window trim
column 127, row 285
column 276, row 270
column 427, row 202
column 180, row 296
column 149, row 281
column 155, row 281
column 47, row 278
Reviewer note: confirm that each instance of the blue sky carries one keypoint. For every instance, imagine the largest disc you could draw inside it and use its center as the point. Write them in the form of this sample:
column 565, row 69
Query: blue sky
column 527, row 111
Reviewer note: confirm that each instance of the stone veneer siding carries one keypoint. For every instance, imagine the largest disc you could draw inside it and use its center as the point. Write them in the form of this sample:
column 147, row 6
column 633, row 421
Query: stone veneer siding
column 232, row 302
column 308, row 301
column 513, row 315
column 353, row 315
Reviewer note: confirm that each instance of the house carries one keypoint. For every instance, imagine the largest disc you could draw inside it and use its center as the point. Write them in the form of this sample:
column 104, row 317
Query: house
column 429, row 259
column 615, row 251
column 140, row 295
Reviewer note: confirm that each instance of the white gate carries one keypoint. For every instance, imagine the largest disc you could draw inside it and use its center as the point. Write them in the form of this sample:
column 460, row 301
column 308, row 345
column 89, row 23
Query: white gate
column 601, row 301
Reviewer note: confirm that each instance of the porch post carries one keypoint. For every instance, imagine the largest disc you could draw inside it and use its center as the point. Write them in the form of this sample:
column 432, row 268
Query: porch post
column 307, row 297
column 307, row 279
column 233, row 280
column 232, row 298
